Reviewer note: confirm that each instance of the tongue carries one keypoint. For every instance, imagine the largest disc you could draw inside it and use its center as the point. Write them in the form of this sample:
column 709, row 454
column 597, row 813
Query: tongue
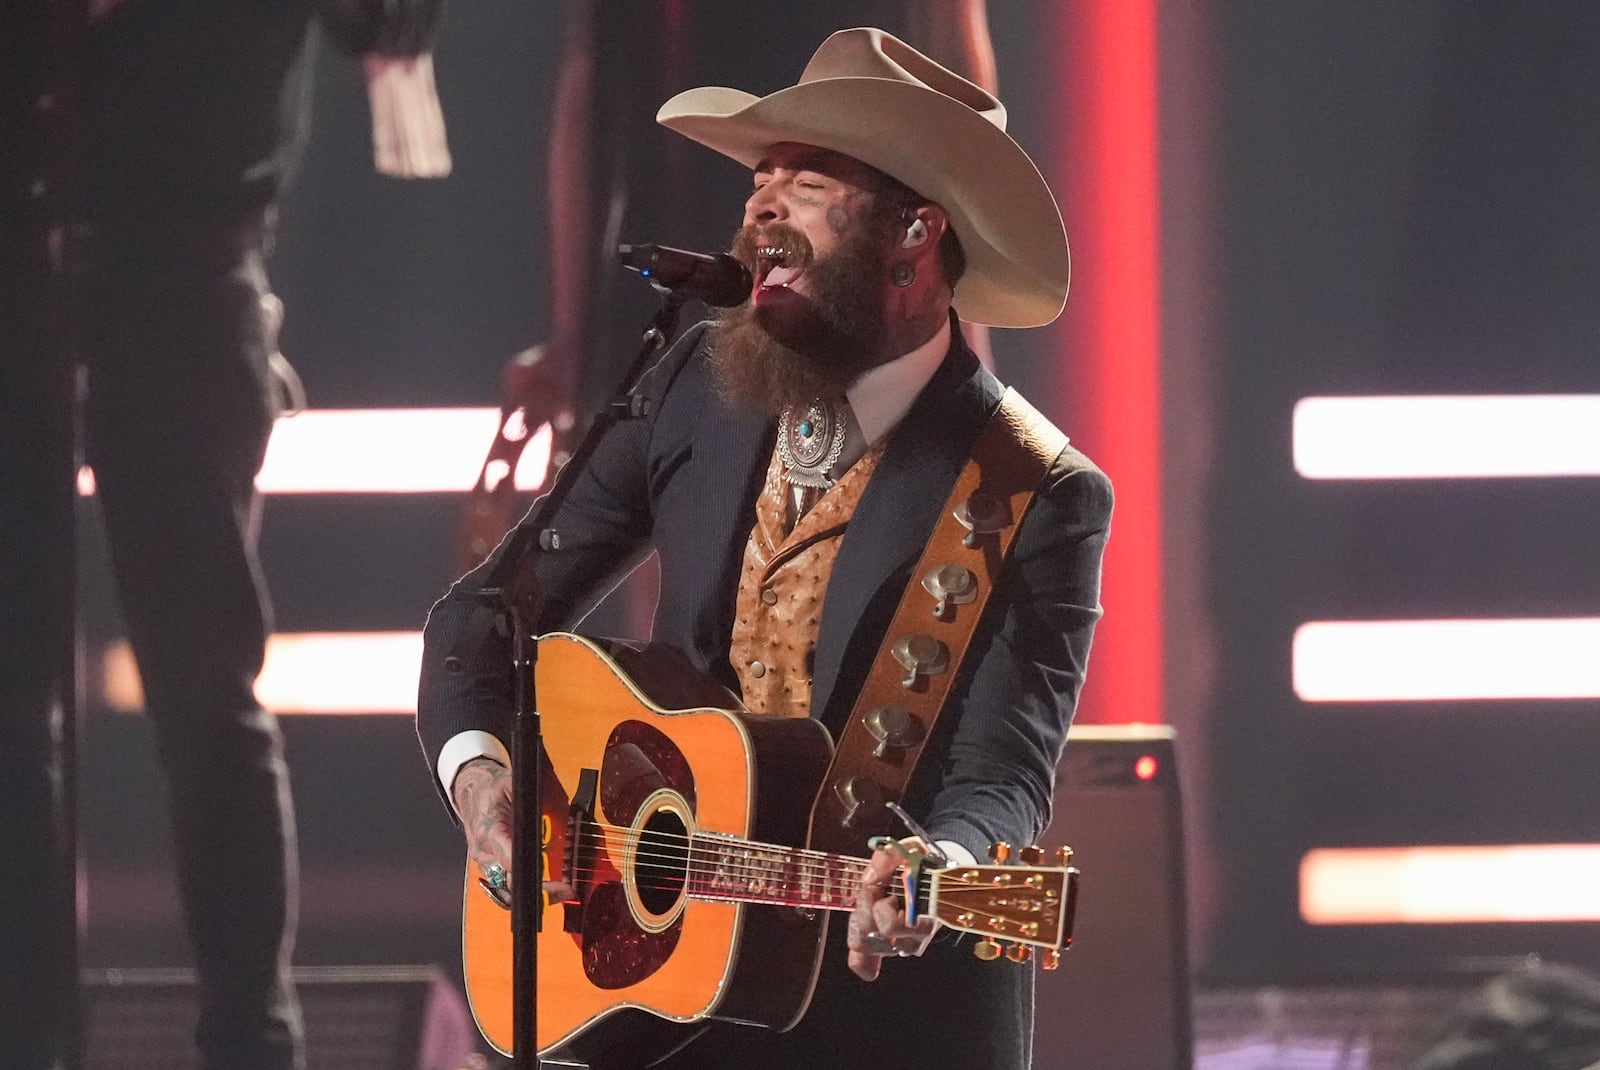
column 781, row 276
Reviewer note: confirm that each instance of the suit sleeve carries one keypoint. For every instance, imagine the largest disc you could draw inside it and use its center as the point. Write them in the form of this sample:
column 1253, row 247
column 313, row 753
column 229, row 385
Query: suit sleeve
column 604, row 524
column 1022, row 676
column 380, row 27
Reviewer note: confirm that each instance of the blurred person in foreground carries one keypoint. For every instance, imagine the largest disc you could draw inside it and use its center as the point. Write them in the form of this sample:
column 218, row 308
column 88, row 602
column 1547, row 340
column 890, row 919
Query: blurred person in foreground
column 148, row 141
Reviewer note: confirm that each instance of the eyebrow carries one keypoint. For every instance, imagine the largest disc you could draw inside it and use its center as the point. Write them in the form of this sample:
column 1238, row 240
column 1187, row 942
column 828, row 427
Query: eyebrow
column 807, row 161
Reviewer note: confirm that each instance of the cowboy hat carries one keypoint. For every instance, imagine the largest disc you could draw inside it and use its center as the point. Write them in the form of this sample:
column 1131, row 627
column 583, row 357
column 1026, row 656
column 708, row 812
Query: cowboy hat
column 873, row 97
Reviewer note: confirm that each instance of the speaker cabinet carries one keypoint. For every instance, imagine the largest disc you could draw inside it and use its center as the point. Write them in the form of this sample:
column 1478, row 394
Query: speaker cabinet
column 356, row 1018
column 1120, row 1000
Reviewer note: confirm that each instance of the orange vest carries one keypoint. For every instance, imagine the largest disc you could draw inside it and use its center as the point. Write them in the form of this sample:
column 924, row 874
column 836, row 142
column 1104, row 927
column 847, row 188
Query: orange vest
column 781, row 588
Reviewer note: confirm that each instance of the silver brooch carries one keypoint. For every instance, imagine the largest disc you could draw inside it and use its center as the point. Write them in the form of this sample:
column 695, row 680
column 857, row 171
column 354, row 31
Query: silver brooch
column 810, row 443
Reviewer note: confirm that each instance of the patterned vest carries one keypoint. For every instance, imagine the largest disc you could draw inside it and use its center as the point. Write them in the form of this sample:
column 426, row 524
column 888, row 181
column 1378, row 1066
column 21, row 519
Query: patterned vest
column 781, row 588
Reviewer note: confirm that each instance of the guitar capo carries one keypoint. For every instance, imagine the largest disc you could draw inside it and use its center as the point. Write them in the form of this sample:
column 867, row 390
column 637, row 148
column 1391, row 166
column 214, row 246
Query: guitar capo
column 922, row 851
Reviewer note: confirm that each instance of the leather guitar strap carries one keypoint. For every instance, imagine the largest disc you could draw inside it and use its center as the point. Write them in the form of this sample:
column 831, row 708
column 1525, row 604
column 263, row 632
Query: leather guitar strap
column 922, row 651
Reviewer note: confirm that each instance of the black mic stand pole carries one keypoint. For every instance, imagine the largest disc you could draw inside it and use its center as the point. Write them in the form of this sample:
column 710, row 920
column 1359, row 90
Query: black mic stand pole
column 510, row 590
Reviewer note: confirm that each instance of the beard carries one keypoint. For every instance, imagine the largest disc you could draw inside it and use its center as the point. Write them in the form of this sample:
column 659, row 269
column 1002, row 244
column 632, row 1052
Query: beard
column 804, row 347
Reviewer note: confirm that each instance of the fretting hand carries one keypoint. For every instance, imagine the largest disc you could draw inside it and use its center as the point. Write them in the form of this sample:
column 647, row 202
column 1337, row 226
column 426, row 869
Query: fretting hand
column 878, row 923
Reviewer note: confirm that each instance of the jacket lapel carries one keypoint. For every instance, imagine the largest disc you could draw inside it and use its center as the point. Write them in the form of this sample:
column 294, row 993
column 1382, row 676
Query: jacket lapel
column 735, row 446
column 896, row 513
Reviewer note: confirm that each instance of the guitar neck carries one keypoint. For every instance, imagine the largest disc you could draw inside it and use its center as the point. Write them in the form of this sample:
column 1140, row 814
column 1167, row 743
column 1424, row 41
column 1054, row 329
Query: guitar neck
column 1027, row 904
column 734, row 870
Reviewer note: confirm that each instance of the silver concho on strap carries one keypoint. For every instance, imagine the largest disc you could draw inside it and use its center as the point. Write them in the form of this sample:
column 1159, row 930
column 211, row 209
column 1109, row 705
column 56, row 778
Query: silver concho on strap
column 810, row 443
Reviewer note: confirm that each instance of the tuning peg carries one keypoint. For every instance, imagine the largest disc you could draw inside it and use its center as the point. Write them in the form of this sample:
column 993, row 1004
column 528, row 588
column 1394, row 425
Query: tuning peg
column 1063, row 856
column 1032, row 856
column 987, row 949
column 1050, row 960
column 1000, row 852
column 1019, row 953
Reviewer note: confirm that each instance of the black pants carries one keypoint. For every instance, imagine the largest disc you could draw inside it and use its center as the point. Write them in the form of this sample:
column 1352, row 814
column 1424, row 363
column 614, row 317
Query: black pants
column 946, row 1009
column 175, row 423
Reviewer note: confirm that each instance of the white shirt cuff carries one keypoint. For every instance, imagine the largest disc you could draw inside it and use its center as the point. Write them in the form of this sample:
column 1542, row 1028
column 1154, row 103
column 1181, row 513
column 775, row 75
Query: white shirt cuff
column 462, row 748
column 957, row 854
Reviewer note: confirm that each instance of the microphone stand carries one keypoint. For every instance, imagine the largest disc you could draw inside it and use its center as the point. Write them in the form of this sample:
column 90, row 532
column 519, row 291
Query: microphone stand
column 511, row 590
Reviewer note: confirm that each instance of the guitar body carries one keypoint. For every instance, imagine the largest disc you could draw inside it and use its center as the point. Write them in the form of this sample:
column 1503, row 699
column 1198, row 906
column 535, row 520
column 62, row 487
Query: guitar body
column 643, row 748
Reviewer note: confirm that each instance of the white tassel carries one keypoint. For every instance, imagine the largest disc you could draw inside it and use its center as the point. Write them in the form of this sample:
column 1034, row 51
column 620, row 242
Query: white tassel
column 408, row 136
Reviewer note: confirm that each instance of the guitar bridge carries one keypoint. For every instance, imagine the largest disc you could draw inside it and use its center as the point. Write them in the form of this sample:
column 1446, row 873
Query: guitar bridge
column 579, row 860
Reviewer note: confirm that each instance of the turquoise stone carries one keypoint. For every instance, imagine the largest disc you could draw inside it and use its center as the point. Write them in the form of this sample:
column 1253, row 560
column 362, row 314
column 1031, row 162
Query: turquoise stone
column 806, row 428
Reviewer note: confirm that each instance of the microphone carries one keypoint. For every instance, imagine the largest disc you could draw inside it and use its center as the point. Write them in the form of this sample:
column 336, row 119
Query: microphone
column 719, row 281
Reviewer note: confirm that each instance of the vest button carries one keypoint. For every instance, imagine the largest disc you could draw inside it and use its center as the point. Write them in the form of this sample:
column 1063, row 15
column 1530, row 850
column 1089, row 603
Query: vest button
column 769, row 596
column 757, row 669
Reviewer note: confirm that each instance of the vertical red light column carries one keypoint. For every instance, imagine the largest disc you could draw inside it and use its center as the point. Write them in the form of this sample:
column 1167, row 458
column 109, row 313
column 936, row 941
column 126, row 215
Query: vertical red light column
column 1104, row 165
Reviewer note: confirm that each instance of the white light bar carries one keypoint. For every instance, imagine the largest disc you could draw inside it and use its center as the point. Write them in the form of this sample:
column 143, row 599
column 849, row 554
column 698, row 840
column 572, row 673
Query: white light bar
column 385, row 451
column 389, row 451
column 1443, row 437
column 308, row 672
column 1438, row 885
column 1421, row 660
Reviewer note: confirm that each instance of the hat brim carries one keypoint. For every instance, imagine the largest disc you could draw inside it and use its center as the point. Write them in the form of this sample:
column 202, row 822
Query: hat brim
column 1018, row 266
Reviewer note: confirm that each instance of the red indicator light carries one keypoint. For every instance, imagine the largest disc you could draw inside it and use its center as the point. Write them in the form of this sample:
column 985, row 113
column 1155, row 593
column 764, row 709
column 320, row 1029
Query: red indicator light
column 1145, row 768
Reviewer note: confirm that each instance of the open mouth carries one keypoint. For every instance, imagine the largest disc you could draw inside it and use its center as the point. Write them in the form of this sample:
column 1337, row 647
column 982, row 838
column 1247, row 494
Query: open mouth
column 776, row 266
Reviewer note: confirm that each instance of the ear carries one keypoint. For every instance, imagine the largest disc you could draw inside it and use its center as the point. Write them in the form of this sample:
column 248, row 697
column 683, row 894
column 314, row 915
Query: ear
column 923, row 228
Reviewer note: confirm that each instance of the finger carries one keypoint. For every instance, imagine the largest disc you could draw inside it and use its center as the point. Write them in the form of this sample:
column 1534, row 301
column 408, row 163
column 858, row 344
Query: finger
column 484, row 859
column 559, row 891
column 879, row 945
column 855, row 934
column 879, row 867
column 861, row 963
column 865, row 967
column 888, row 918
column 875, row 878
column 914, row 940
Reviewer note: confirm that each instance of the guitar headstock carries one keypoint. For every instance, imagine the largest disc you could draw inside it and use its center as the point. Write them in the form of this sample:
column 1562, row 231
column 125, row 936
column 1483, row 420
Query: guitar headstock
column 1029, row 905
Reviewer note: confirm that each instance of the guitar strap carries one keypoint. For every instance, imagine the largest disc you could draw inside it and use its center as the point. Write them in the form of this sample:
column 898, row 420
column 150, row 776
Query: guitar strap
column 928, row 637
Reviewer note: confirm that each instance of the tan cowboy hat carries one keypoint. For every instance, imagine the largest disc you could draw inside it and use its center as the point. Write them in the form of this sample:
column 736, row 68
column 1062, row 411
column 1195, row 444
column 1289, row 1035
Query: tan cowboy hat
column 871, row 96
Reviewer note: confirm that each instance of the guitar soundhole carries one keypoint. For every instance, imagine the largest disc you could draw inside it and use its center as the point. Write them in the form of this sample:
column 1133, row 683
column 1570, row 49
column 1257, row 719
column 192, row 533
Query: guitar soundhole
column 663, row 862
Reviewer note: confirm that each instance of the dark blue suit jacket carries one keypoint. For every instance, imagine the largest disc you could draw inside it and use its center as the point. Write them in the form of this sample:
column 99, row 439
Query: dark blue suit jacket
column 683, row 482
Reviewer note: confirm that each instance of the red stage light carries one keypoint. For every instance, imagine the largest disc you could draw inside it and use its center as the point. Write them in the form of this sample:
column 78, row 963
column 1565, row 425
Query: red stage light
column 1146, row 767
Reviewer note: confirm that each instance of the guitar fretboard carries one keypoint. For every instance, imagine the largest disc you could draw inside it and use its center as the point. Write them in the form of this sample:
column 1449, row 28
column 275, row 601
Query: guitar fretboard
column 741, row 871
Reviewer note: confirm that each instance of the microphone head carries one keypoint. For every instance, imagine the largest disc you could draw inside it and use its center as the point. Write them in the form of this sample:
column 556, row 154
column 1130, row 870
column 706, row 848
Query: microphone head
column 719, row 280
column 732, row 285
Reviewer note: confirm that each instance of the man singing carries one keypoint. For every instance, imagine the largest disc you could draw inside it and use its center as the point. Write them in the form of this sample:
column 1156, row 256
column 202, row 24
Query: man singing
column 798, row 455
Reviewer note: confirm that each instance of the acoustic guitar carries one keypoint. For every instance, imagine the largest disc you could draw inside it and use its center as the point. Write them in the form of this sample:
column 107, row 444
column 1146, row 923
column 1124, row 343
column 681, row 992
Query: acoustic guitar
column 672, row 812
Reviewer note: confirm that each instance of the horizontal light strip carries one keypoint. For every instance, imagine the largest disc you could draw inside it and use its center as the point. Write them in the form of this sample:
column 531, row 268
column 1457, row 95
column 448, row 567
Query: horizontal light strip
column 385, row 451
column 308, row 673
column 1421, row 660
column 1442, row 437
column 1436, row 885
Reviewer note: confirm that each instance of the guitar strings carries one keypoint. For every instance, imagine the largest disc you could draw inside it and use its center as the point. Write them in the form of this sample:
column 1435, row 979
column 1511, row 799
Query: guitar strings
column 816, row 861
column 700, row 880
column 789, row 893
column 707, row 858
column 845, row 900
column 806, row 864
column 803, row 860
column 701, row 876
column 804, row 857
column 703, row 864
column 698, row 862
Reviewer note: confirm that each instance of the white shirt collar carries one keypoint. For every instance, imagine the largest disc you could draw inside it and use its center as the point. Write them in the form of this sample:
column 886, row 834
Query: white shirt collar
column 882, row 396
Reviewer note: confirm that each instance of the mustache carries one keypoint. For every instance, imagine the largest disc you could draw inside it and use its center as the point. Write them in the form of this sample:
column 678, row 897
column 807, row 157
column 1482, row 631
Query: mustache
column 756, row 242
